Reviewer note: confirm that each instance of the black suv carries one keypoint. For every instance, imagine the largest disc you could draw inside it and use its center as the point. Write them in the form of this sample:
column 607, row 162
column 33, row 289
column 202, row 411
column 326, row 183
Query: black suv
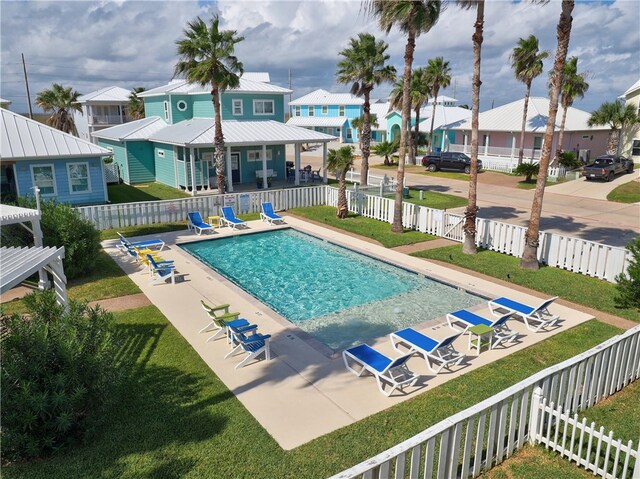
column 448, row 160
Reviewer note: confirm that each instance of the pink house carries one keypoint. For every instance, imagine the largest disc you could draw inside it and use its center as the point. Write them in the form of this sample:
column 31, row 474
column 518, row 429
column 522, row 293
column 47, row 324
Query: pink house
column 499, row 135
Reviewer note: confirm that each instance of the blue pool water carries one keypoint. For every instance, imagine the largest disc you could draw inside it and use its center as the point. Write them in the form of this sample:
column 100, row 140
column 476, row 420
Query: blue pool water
column 337, row 295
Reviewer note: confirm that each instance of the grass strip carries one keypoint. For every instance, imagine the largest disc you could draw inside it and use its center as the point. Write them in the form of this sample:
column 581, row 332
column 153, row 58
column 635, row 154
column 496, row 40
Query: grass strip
column 123, row 193
column 175, row 418
column 434, row 199
column 578, row 288
column 626, row 193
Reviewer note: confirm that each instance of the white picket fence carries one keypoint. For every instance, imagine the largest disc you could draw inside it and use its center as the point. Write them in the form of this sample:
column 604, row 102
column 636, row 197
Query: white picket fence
column 587, row 446
column 566, row 252
column 167, row 211
column 484, row 435
column 372, row 180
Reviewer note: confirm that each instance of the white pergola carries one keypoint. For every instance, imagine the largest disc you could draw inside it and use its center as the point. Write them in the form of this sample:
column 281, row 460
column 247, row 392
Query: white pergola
column 20, row 263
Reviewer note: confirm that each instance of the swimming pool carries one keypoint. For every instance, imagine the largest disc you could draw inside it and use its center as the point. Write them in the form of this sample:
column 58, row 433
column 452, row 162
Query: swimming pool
column 338, row 296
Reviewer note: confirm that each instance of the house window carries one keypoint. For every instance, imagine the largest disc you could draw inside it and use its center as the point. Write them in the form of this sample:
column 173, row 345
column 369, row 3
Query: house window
column 256, row 155
column 79, row 177
column 160, row 153
column 43, row 177
column 312, row 110
column 263, row 107
column 166, row 110
column 635, row 149
column 296, row 111
column 237, row 107
column 341, row 110
column 325, row 109
column 181, row 105
column 349, row 134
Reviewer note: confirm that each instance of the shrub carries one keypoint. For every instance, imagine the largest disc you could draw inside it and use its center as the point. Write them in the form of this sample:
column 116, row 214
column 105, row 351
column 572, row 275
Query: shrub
column 527, row 170
column 569, row 160
column 629, row 285
column 61, row 226
column 58, row 375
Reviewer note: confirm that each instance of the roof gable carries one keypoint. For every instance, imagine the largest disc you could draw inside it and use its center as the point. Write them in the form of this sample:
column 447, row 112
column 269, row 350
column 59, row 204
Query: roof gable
column 133, row 130
column 110, row 94
column 323, row 97
column 184, row 88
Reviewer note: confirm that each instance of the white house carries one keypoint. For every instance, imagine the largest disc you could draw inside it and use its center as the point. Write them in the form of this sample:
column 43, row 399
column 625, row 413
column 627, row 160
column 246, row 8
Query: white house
column 101, row 109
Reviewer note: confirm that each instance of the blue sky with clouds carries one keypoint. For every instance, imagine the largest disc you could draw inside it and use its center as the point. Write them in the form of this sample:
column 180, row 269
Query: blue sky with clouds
column 94, row 44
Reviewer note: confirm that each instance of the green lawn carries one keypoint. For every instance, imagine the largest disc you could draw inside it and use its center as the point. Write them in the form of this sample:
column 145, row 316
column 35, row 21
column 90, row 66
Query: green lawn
column 531, row 185
column 106, row 281
column 433, row 199
column 360, row 225
column 143, row 192
column 175, row 418
column 407, row 168
column 581, row 289
column 626, row 193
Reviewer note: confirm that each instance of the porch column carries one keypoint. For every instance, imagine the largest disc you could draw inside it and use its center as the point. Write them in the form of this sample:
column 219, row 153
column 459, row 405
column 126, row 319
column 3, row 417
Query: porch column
column 444, row 134
column 513, row 146
column 175, row 166
column 464, row 142
column 296, row 164
column 324, row 162
column 192, row 157
column 486, row 147
column 265, row 183
column 229, row 175
column 43, row 282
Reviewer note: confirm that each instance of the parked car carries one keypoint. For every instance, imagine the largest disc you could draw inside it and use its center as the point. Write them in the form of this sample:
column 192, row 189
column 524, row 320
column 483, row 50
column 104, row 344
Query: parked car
column 606, row 167
column 448, row 160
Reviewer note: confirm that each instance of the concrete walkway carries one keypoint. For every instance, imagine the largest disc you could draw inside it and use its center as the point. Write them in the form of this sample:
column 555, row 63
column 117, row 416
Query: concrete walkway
column 595, row 189
column 304, row 383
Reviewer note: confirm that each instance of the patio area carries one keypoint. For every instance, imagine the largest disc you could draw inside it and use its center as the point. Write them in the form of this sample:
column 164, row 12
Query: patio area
column 304, row 383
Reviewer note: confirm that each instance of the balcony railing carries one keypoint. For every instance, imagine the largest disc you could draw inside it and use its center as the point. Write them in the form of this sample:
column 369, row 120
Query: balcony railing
column 109, row 119
column 497, row 151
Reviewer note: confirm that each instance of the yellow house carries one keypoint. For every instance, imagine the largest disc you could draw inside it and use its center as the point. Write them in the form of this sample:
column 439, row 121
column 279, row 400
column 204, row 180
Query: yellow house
column 631, row 136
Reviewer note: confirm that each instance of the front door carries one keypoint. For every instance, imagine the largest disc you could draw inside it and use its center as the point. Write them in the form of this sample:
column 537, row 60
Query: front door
column 235, row 167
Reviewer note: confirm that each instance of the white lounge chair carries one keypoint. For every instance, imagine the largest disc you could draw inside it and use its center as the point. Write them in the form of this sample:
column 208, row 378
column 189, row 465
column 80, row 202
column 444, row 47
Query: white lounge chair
column 501, row 333
column 387, row 371
column 196, row 222
column 125, row 244
column 267, row 214
column 229, row 218
column 535, row 318
column 431, row 350
column 160, row 273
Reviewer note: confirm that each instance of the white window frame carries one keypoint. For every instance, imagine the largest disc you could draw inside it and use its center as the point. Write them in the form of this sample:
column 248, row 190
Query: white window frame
column 633, row 148
column 263, row 102
column 235, row 102
column 184, row 103
column 53, row 174
column 257, row 156
column 166, row 110
column 159, row 153
column 312, row 110
column 325, row 109
column 349, row 134
column 341, row 110
column 297, row 111
column 88, row 190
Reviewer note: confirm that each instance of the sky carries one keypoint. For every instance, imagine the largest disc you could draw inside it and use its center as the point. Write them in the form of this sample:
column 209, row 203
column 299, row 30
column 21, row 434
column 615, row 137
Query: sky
column 93, row 44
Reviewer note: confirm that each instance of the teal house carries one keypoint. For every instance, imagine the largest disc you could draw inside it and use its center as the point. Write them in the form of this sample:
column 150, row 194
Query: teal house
column 63, row 167
column 174, row 144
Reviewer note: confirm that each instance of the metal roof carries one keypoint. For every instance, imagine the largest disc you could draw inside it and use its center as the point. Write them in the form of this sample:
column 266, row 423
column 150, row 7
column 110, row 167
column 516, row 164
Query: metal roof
column 20, row 263
column 257, row 76
column 5, row 102
column 22, row 138
column 319, row 121
column 133, row 130
column 635, row 87
column 200, row 132
column 509, row 118
column 10, row 214
column 443, row 99
column 181, row 87
column 323, row 97
column 110, row 94
column 380, row 110
column 446, row 116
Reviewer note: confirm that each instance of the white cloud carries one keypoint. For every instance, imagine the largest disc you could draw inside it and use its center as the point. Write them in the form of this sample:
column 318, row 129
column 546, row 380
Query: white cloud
column 94, row 44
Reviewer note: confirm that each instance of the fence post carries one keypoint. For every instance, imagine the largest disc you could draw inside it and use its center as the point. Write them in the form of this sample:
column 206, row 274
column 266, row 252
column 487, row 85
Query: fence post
column 534, row 414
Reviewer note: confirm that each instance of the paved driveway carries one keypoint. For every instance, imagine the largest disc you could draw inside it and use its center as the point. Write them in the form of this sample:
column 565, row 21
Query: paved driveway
column 597, row 189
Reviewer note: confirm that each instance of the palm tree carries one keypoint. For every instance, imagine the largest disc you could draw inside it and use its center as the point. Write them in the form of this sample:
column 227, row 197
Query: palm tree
column 418, row 94
column 135, row 106
column 574, row 86
column 364, row 66
column 438, row 75
column 526, row 61
column 413, row 17
column 358, row 123
column 471, row 212
column 340, row 161
column 618, row 117
column 530, row 254
column 62, row 102
column 206, row 58
column 386, row 149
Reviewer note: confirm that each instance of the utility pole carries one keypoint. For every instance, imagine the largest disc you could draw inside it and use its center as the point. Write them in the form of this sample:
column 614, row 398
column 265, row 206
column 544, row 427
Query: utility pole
column 26, row 84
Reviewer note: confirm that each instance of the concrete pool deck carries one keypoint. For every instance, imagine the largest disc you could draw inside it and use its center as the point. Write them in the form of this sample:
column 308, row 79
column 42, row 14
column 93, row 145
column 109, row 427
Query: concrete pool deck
column 305, row 391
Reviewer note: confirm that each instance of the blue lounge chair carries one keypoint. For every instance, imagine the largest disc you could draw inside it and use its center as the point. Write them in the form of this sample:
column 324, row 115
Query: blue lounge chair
column 161, row 272
column 222, row 320
column 254, row 344
column 229, row 218
column 501, row 333
column 387, row 371
column 125, row 244
column 431, row 350
column 195, row 221
column 535, row 318
column 269, row 215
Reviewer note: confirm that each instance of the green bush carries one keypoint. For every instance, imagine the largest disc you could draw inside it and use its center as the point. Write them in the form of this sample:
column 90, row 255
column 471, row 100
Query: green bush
column 58, row 375
column 61, row 226
column 569, row 160
column 527, row 170
column 629, row 285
